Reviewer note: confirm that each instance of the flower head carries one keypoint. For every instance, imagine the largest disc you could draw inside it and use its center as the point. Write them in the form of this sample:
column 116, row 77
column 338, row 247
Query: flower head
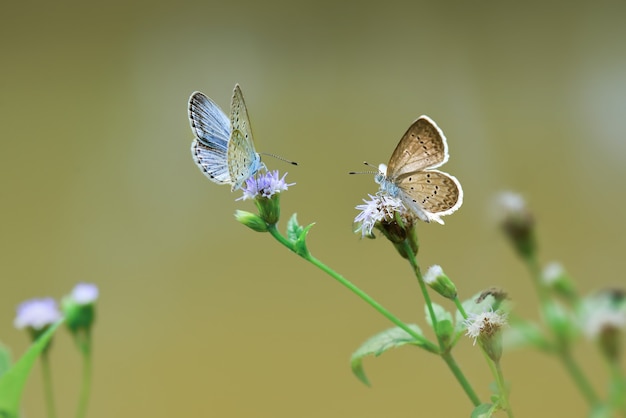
column 484, row 324
column 79, row 307
column 265, row 190
column 389, row 215
column 604, row 320
column 85, row 293
column 381, row 208
column 486, row 328
column 556, row 278
column 37, row 314
column 517, row 222
column 264, row 185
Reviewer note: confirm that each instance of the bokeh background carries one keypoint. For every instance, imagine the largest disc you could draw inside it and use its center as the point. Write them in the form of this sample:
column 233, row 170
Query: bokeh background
column 202, row 317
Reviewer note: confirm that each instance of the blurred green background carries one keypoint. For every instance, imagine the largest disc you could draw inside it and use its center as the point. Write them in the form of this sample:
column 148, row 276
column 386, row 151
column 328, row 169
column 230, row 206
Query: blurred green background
column 202, row 317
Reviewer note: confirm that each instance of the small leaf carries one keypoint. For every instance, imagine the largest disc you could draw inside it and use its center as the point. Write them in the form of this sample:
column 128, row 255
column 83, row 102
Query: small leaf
column 484, row 410
column 378, row 344
column 440, row 313
column 300, row 244
column 12, row 382
column 445, row 324
column 293, row 228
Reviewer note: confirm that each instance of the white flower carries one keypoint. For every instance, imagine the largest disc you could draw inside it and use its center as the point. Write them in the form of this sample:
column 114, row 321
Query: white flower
column 485, row 324
column 432, row 273
column 37, row 314
column 602, row 312
column 602, row 320
column 85, row 293
column 381, row 207
column 509, row 203
column 552, row 272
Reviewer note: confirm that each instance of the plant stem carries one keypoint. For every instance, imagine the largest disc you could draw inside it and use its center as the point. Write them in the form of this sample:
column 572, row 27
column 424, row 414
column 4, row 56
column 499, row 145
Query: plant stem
column 460, row 377
column 617, row 392
column 563, row 351
column 446, row 355
column 354, row 289
column 424, row 289
column 85, row 346
column 459, row 306
column 504, row 393
column 47, row 383
column 576, row 373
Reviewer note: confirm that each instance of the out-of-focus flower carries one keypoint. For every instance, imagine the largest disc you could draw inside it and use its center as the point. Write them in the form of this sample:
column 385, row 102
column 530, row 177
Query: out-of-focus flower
column 517, row 222
column 37, row 313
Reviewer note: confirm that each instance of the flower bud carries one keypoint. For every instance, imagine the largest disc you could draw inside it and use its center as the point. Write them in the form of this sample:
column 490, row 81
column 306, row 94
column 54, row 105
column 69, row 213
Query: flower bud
column 251, row 220
column 440, row 283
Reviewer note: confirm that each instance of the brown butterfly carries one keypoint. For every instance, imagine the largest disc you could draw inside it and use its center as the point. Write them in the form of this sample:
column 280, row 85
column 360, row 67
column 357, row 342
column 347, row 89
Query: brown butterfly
column 410, row 174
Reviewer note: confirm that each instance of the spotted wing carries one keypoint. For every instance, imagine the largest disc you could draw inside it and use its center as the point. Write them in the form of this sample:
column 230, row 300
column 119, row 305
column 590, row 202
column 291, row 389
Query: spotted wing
column 212, row 130
column 422, row 146
column 430, row 194
column 243, row 160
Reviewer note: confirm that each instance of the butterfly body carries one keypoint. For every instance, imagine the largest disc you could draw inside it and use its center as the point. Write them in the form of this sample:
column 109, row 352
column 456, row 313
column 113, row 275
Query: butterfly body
column 223, row 148
column 411, row 176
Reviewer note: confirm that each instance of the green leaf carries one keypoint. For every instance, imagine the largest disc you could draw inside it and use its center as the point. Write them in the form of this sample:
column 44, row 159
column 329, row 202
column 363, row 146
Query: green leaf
column 378, row 344
column 294, row 230
column 12, row 382
column 484, row 410
column 5, row 359
column 445, row 324
column 300, row 244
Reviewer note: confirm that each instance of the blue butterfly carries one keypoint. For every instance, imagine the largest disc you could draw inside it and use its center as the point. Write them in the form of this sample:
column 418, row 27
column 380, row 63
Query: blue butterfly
column 223, row 149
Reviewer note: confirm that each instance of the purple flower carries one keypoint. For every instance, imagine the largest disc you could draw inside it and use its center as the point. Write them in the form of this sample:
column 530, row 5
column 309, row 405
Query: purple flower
column 85, row 293
column 264, row 185
column 37, row 314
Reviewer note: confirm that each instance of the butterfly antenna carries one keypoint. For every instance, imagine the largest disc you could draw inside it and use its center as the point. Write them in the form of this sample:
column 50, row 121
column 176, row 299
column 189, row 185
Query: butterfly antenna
column 279, row 158
column 365, row 172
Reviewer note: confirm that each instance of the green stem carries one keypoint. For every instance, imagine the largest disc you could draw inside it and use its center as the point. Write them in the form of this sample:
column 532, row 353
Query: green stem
column 424, row 289
column 579, row 378
column 617, row 391
column 85, row 346
column 460, row 377
column 535, row 271
column 47, row 383
column 504, row 393
column 346, row 283
column 563, row 351
column 447, row 356
column 459, row 306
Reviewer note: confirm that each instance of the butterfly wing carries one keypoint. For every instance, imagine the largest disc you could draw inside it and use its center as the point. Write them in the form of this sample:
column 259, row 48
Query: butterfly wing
column 422, row 146
column 430, row 194
column 212, row 130
column 243, row 160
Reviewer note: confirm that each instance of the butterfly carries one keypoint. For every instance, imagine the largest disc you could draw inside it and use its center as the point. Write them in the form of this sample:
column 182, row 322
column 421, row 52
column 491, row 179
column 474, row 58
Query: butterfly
column 410, row 174
column 223, row 148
